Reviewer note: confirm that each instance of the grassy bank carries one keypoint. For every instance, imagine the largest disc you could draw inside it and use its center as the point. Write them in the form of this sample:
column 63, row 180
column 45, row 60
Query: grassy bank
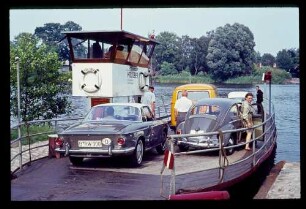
column 33, row 129
column 278, row 77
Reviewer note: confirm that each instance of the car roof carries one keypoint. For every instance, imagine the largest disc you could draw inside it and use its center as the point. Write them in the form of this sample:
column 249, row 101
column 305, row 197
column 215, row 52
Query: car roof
column 195, row 86
column 237, row 94
column 137, row 105
column 222, row 102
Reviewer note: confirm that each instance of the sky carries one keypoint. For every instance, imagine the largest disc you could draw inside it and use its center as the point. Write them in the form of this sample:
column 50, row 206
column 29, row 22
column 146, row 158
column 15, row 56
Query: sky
column 274, row 28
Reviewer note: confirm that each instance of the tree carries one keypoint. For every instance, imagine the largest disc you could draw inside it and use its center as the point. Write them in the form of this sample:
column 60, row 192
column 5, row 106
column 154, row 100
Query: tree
column 284, row 60
column 267, row 60
column 167, row 69
column 167, row 50
column 257, row 58
column 182, row 57
column 42, row 87
column 230, row 51
column 51, row 35
column 198, row 55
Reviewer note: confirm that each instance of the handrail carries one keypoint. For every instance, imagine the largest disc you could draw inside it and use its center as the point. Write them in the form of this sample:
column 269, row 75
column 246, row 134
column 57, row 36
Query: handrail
column 18, row 140
column 268, row 127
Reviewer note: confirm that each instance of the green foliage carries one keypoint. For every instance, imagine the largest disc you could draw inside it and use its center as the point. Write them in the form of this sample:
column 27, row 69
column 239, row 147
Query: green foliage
column 283, row 60
column 167, row 69
column 278, row 76
column 51, row 35
column 184, row 77
column 33, row 129
column 257, row 56
column 267, row 60
column 230, row 52
column 41, row 85
column 288, row 59
column 197, row 61
column 168, row 50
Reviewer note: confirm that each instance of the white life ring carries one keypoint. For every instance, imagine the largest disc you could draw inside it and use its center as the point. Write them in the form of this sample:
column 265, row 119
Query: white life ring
column 143, row 80
column 92, row 87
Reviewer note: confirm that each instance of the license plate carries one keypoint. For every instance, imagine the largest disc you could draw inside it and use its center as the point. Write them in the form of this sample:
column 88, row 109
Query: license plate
column 96, row 143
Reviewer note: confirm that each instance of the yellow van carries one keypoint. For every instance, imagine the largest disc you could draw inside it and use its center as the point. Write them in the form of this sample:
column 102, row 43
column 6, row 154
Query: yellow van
column 195, row 91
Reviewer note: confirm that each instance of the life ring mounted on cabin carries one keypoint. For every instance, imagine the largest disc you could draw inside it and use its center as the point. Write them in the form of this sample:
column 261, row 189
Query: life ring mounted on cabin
column 143, row 76
column 90, row 87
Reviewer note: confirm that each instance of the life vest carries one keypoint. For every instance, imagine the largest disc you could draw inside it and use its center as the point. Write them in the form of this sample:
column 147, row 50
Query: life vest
column 94, row 86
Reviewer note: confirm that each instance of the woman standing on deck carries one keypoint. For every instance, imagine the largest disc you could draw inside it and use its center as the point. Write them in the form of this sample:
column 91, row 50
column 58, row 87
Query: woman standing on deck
column 247, row 113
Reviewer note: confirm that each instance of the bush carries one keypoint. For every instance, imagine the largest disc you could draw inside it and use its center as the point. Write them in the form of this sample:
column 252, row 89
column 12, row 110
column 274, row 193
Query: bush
column 33, row 129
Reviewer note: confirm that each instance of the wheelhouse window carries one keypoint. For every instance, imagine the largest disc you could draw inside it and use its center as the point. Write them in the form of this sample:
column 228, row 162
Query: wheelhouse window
column 120, row 112
column 205, row 109
column 113, row 47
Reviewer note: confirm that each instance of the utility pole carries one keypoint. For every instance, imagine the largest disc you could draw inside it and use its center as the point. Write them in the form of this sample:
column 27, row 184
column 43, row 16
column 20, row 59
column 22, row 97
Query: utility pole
column 18, row 111
column 121, row 19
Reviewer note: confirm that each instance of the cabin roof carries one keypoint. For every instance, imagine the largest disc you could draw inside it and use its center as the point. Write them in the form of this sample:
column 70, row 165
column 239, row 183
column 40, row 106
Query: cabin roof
column 108, row 36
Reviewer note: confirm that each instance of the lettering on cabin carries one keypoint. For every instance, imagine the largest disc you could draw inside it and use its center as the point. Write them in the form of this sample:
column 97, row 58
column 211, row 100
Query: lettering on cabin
column 131, row 76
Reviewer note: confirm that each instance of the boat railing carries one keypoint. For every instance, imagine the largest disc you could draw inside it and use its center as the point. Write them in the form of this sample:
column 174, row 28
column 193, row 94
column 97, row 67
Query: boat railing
column 23, row 145
column 163, row 111
column 266, row 139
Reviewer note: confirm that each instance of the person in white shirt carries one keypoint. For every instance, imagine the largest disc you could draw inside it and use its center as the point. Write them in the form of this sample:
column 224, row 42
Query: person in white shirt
column 149, row 99
column 181, row 107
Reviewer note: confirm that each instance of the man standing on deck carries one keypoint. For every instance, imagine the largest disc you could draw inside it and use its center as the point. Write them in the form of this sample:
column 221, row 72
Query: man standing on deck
column 149, row 99
column 181, row 107
column 259, row 99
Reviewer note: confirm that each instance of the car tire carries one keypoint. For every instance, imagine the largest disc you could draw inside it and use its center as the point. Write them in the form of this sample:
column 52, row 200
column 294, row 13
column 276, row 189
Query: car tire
column 136, row 158
column 231, row 141
column 76, row 160
column 162, row 147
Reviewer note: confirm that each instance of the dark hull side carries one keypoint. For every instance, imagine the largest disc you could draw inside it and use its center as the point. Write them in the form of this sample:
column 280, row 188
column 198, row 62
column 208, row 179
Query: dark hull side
column 214, row 180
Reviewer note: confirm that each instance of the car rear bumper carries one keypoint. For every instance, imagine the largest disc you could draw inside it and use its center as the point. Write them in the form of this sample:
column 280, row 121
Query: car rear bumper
column 95, row 152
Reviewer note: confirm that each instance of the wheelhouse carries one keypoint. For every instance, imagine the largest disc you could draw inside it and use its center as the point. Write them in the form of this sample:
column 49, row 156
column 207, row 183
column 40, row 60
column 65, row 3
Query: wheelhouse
column 120, row 47
column 109, row 66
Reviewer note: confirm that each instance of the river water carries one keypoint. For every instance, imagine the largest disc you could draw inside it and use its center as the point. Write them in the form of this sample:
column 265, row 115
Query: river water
column 286, row 100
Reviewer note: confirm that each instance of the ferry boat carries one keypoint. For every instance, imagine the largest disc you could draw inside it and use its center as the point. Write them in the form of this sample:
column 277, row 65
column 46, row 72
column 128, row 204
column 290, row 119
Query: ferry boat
column 113, row 66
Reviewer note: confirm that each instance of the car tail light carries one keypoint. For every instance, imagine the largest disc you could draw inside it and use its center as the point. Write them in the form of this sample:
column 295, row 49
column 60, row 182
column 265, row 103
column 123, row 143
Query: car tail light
column 179, row 131
column 121, row 141
column 59, row 141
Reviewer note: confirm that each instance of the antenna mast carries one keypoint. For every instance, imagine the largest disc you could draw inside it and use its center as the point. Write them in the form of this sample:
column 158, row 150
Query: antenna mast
column 121, row 19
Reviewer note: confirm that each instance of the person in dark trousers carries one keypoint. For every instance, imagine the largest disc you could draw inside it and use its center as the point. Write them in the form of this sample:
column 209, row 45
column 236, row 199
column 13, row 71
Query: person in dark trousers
column 181, row 107
column 259, row 99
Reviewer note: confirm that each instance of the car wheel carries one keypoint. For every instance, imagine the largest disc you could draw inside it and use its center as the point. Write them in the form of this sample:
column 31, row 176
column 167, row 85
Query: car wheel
column 162, row 147
column 138, row 154
column 231, row 141
column 76, row 160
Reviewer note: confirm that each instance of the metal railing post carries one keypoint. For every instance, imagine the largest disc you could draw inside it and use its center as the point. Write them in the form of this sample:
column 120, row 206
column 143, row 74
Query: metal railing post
column 18, row 112
column 20, row 147
column 55, row 126
column 172, row 181
column 253, row 147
